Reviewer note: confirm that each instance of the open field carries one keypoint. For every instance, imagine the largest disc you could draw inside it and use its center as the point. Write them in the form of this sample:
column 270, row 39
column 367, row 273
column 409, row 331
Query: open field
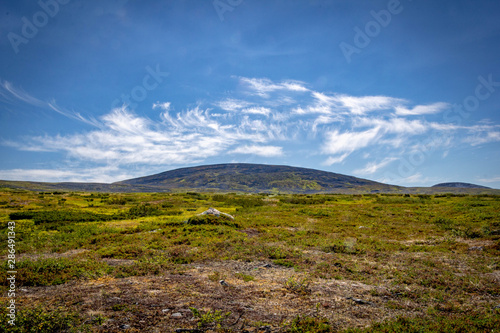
column 102, row 262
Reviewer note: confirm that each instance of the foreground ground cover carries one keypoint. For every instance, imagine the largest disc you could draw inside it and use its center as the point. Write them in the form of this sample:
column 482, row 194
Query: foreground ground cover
column 292, row 263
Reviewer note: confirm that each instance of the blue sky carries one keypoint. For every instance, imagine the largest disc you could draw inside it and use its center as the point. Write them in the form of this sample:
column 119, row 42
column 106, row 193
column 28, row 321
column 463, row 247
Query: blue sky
column 404, row 92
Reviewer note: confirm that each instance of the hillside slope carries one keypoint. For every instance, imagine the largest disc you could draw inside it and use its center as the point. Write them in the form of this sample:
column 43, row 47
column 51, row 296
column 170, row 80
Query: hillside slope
column 258, row 178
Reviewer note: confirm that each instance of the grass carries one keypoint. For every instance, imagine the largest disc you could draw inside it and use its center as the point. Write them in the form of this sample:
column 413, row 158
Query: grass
column 427, row 263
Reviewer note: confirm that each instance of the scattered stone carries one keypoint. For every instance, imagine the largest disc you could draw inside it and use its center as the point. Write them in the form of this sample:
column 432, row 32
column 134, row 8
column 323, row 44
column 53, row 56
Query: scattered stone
column 124, row 327
column 165, row 310
column 223, row 283
column 267, row 266
column 476, row 248
column 176, row 315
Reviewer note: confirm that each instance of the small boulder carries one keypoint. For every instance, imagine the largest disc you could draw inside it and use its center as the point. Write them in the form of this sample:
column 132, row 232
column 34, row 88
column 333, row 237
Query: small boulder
column 215, row 212
column 212, row 216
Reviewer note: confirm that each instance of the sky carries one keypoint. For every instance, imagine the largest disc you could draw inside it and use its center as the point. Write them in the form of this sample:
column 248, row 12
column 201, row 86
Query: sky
column 404, row 92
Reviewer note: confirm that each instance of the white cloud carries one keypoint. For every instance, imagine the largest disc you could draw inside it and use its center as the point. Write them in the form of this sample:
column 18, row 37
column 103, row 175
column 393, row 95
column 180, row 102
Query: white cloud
column 257, row 110
column 322, row 120
column 416, row 178
column 422, row 109
column 334, row 160
column 364, row 104
column 265, row 151
column 341, row 104
column 349, row 141
column 262, row 87
column 481, row 135
column 13, row 95
column 393, row 125
column 255, row 120
column 373, row 167
column 164, row 106
column 183, row 138
column 231, row 104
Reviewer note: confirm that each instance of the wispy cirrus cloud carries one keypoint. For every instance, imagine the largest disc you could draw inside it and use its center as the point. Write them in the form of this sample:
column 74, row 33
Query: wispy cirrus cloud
column 341, row 104
column 231, row 104
column 361, row 105
column 422, row 109
column 260, row 118
column 263, row 87
column 373, row 167
column 341, row 142
column 13, row 95
column 335, row 159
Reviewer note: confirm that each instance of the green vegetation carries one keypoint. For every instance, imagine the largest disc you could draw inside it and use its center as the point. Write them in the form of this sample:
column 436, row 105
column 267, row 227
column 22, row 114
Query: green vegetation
column 475, row 322
column 41, row 319
column 210, row 319
column 414, row 263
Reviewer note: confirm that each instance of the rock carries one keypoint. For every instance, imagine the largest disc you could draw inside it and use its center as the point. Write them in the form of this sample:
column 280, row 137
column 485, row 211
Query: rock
column 165, row 310
column 476, row 248
column 176, row 315
column 124, row 327
column 359, row 301
column 223, row 283
column 215, row 212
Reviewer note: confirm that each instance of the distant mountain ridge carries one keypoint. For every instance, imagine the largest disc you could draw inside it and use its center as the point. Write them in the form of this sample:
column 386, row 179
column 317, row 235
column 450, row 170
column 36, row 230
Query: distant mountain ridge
column 257, row 178
column 460, row 185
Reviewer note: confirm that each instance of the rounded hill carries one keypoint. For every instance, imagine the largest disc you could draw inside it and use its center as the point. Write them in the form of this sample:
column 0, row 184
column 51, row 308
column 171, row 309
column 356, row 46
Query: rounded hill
column 258, row 178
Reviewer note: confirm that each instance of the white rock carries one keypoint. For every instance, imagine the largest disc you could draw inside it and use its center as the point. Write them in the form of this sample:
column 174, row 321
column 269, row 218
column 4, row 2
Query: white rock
column 215, row 212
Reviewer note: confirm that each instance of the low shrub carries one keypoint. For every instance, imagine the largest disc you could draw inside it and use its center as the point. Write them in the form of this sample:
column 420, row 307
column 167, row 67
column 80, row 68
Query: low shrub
column 211, row 219
column 39, row 319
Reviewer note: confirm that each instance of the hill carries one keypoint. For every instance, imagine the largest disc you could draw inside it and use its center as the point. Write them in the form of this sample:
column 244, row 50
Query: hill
column 460, row 185
column 258, row 178
column 248, row 178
